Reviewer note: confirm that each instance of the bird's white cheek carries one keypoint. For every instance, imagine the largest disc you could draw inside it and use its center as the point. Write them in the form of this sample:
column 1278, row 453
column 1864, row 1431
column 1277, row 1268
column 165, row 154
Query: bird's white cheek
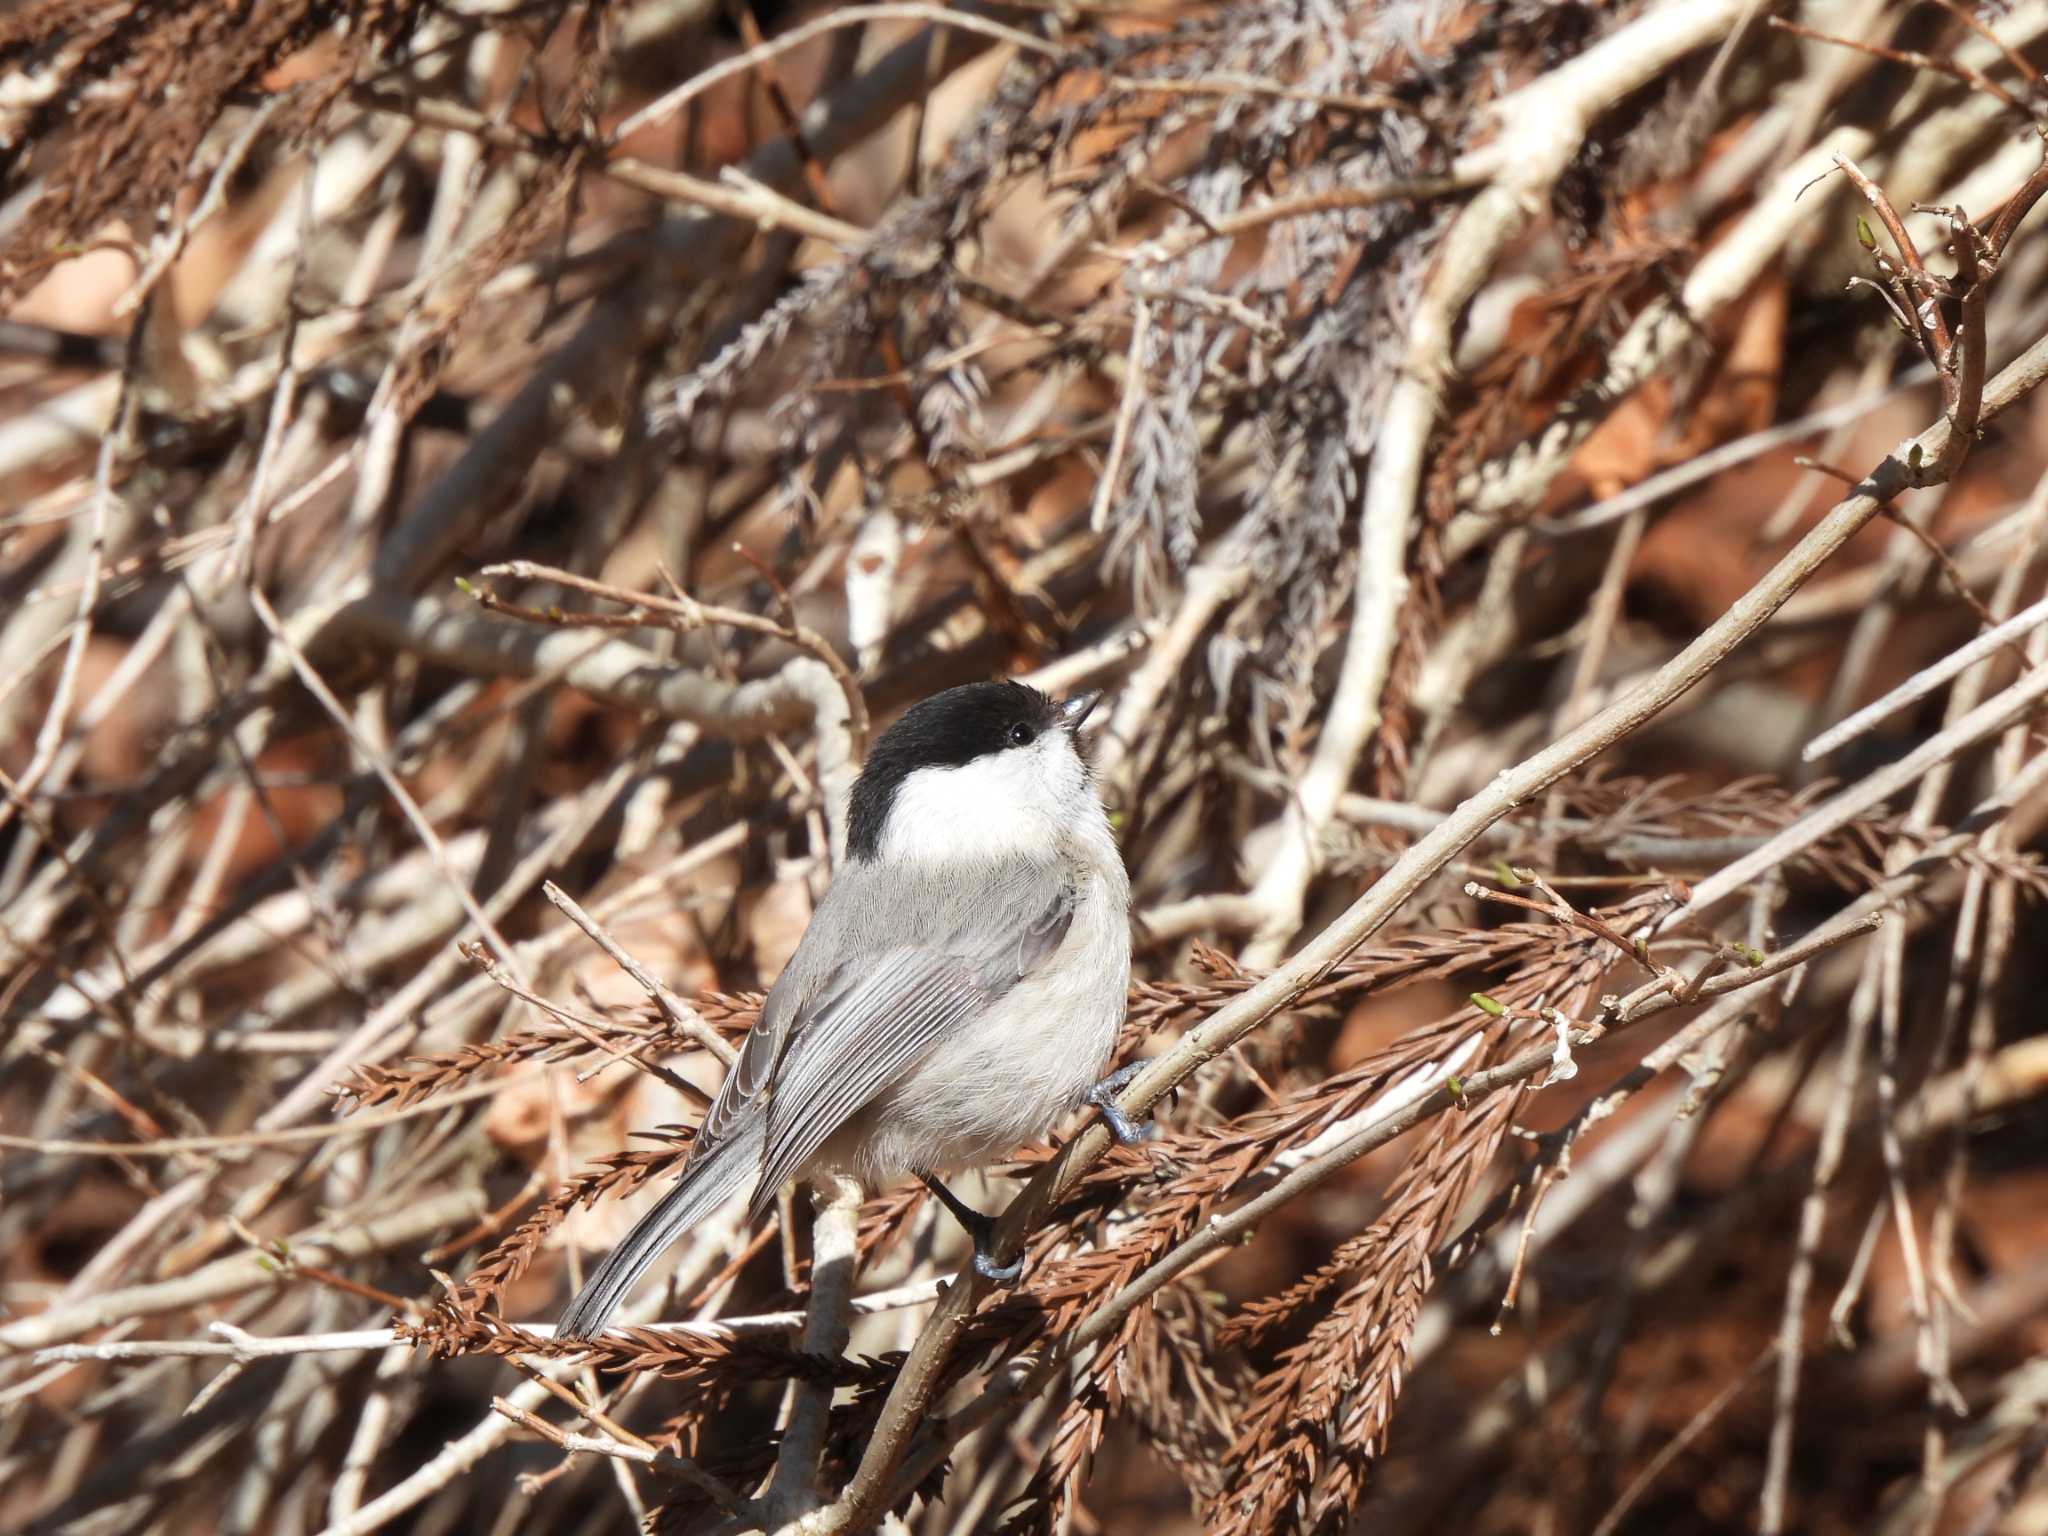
column 1076, row 802
column 1058, row 767
column 984, row 809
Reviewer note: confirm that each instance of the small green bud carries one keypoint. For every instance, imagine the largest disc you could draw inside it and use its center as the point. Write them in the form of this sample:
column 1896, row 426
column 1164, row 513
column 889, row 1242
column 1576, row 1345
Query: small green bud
column 1487, row 1005
column 1864, row 237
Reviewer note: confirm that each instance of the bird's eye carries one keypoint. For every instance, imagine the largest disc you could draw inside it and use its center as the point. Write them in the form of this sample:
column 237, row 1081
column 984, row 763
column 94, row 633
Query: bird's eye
column 1021, row 734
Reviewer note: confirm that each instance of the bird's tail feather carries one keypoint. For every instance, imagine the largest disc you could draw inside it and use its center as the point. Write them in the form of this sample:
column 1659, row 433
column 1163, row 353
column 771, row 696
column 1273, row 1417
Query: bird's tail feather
column 707, row 1183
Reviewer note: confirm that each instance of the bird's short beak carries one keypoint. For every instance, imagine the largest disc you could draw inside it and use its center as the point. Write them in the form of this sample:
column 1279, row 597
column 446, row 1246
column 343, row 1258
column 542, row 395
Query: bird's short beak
column 1076, row 707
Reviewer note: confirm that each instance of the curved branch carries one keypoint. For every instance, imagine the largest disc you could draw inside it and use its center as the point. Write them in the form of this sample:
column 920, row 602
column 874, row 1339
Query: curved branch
column 802, row 692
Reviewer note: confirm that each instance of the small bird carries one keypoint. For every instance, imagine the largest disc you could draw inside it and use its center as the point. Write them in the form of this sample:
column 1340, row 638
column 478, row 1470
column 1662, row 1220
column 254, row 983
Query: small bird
column 960, row 986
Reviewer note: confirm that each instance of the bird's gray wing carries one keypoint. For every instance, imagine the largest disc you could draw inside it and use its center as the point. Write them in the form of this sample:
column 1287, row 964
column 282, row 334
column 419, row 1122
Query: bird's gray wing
column 740, row 1094
column 874, row 1015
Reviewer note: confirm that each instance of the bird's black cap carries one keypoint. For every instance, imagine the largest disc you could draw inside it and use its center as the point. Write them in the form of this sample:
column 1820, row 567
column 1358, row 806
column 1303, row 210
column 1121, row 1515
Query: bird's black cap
column 947, row 730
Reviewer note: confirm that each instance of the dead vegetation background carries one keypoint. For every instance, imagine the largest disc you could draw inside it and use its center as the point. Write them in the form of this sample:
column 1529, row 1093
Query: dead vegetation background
column 476, row 473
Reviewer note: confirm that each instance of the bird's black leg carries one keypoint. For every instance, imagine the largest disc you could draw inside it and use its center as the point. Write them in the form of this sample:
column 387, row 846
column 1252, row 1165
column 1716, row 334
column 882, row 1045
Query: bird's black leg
column 979, row 1227
column 1102, row 1098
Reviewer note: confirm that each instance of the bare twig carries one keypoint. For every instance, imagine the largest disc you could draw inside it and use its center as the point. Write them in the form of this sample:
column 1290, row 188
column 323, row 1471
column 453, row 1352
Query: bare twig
column 245, row 1271
column 688, row 614
column 673, row 1008
column 646, row 1455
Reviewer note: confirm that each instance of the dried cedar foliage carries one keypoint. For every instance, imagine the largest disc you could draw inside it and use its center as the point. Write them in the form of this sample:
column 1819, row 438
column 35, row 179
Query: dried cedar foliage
column 121, row 96
column 1262, row 363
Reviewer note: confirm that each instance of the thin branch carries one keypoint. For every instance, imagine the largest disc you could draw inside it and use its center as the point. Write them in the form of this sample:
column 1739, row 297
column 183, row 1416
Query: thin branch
column 246, row 1271
column 802, row 691
column 1930, row 328
column 667, row 105
column 673, row 1008
column 177, row 1146
column 1926, row 681
column 677, row 1467
column 422, row 828
column 1954, row 68
column 2019, row 702
column 235, row 1344
column 687, row 613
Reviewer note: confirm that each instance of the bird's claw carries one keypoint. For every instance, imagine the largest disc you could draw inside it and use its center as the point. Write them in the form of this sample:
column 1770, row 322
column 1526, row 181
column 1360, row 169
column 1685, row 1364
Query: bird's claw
column 985, row 1264
column 982, row 1229
column 1102, row 1099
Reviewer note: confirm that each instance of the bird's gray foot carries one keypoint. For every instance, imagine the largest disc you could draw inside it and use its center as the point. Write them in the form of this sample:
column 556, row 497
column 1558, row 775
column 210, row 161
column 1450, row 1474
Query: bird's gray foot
column 980, row 1227
column 1102, row 1098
